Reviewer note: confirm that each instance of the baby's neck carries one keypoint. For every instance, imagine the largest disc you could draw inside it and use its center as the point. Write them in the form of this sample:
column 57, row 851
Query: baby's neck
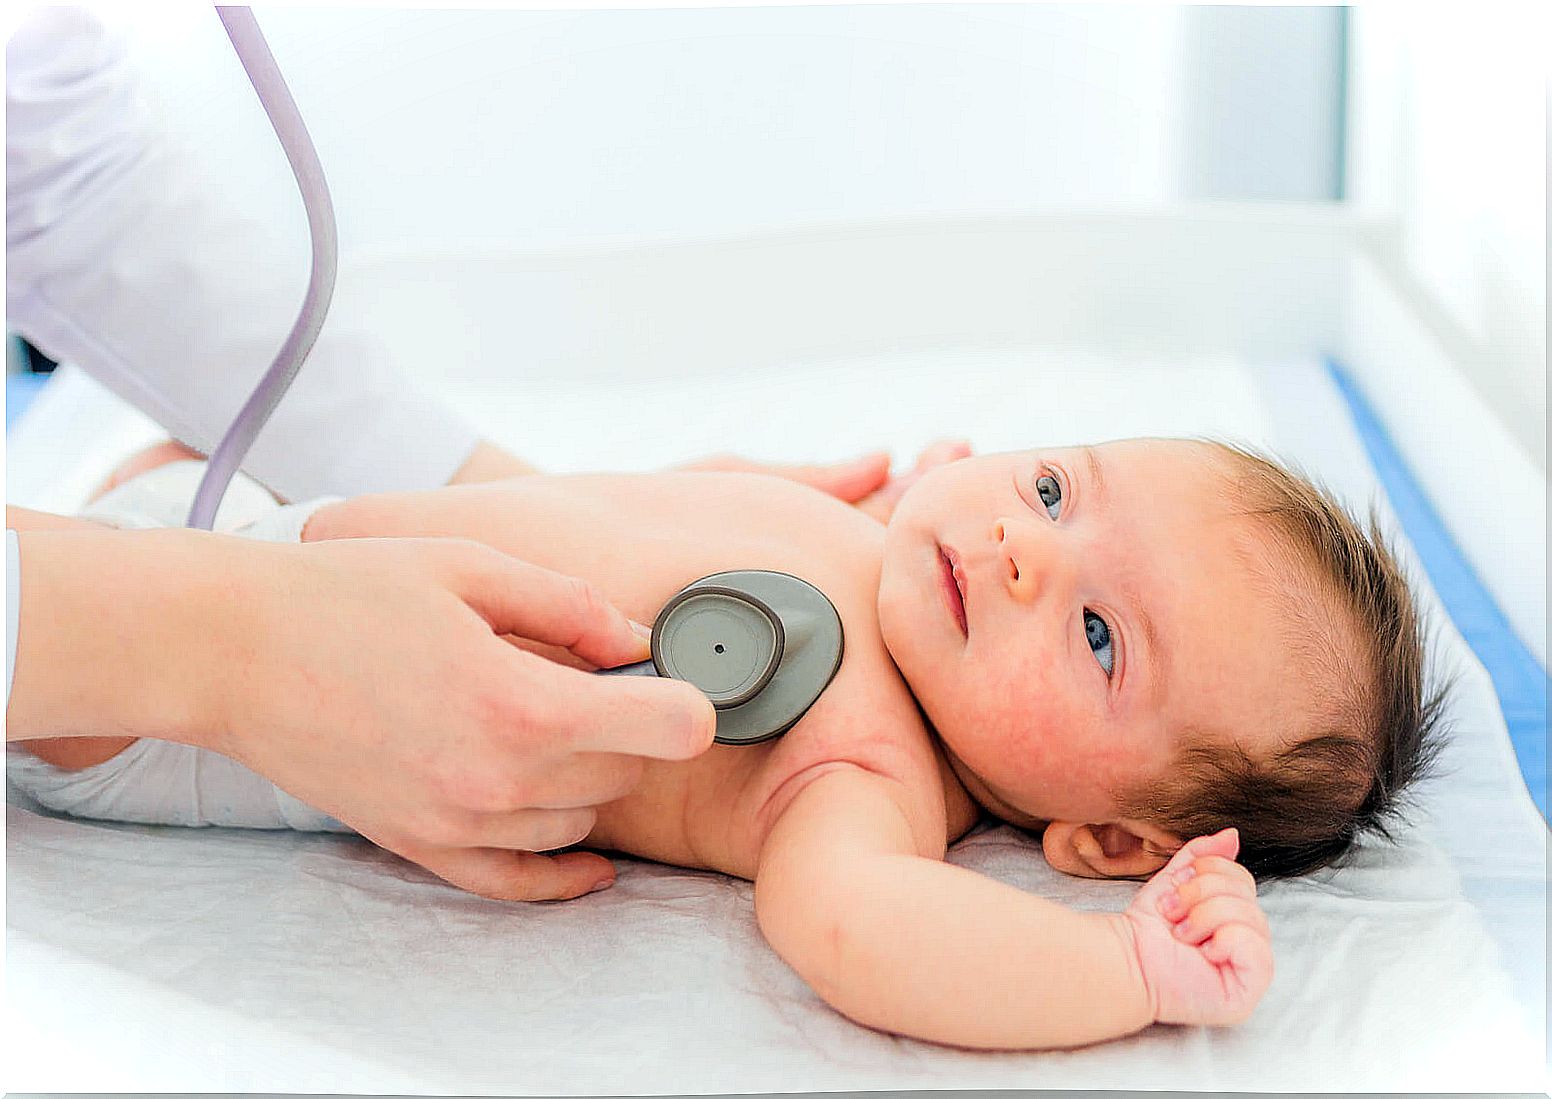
column 963, row 810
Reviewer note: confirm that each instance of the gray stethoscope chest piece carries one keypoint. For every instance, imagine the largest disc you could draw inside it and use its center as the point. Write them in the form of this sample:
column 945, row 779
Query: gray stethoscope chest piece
column 762, row 646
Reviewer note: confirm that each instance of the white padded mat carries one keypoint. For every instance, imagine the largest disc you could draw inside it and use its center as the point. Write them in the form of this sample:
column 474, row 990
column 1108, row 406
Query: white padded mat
column 174, row 960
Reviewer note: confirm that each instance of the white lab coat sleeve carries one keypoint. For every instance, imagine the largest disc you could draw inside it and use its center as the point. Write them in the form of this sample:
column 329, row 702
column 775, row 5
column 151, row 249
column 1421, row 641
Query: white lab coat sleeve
column 122, row 258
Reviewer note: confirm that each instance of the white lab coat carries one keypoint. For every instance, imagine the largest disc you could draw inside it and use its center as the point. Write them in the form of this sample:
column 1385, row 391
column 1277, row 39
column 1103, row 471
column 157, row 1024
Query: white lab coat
column 122, row 258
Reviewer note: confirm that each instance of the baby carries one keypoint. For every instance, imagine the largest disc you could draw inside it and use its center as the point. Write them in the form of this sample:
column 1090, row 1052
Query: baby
column 1118, row 647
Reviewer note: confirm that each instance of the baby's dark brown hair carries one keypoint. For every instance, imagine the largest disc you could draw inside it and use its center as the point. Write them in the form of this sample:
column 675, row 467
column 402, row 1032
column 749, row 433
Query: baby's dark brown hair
column 1351, row 620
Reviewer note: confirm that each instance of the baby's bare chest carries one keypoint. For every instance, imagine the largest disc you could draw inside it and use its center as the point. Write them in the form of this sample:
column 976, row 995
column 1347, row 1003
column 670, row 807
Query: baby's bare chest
column 713, row 812
column 641, row 539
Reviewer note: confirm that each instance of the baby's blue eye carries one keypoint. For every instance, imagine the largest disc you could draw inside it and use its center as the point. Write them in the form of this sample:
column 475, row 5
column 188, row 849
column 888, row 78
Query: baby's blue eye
column 1050, row 490
column 1099, row 641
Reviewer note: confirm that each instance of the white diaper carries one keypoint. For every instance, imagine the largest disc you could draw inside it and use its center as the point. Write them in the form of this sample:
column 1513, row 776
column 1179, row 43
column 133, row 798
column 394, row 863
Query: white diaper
column 158, row 781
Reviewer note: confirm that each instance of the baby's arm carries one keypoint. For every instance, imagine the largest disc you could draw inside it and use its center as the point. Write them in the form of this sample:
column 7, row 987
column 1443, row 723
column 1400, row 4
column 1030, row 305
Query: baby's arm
column 920, row 947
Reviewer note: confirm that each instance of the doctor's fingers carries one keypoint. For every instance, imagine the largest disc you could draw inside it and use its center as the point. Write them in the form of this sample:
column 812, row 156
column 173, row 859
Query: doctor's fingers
column 616, row 715
column 515, row 597
column 940, row 453
column 518, row 875
column 534, row 830
column 579, row 781
column 848, row 480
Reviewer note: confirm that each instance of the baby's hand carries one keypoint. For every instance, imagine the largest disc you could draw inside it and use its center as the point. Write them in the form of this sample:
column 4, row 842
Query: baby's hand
column 1202, row 940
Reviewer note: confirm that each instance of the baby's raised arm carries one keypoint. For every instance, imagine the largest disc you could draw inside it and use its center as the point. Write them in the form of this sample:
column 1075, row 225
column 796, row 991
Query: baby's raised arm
column 920, row 947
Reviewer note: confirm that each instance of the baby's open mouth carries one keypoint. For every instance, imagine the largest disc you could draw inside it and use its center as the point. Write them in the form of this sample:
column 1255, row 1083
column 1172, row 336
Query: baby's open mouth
column 953, row 579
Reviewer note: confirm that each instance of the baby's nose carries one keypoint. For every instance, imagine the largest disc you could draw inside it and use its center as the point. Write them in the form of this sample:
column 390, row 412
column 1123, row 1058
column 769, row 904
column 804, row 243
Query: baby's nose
column 1011, row 549
column 1029, row 557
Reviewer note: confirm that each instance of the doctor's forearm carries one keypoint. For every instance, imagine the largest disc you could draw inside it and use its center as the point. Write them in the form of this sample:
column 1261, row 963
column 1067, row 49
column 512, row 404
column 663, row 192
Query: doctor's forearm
column 21, row 519
column 122, row 633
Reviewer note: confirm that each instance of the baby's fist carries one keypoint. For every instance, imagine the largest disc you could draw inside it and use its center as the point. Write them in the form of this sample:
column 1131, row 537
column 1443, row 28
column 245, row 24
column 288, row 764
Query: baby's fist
column 1202, row 940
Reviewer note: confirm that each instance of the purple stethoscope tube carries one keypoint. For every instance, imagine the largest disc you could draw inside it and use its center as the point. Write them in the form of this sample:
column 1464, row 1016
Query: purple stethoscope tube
column 265, row 77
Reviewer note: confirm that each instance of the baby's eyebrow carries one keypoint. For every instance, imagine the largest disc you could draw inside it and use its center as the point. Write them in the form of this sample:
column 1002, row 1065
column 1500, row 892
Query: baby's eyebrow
column 1096, row 471
column 1155, row 653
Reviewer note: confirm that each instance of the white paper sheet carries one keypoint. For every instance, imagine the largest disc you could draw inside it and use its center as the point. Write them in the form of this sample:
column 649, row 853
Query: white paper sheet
column 168, row 960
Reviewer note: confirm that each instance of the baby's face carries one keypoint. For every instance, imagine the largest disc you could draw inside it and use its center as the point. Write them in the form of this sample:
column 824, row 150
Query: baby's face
column 1107, row 607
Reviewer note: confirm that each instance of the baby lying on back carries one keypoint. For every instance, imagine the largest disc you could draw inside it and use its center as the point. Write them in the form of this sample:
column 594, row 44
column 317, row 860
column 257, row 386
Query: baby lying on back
column 1160, row 656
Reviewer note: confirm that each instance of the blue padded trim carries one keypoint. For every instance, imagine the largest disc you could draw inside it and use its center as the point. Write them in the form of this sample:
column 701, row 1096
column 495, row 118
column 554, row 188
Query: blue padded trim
column 20, row 389
column 1518, row 677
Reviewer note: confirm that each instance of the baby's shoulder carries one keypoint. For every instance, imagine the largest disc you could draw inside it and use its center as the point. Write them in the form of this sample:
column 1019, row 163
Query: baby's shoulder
column 866, row 720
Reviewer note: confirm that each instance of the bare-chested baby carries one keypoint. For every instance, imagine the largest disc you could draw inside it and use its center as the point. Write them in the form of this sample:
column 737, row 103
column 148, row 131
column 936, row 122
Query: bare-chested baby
column 1169, row 659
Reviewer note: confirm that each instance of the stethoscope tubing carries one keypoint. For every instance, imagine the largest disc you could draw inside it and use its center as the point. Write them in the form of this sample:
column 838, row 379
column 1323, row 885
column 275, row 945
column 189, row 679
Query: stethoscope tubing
column 257, row 61
column 264, row 74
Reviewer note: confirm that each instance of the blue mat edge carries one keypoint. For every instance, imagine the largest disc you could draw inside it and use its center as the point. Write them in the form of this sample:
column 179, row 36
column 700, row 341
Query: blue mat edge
column 1519, row 679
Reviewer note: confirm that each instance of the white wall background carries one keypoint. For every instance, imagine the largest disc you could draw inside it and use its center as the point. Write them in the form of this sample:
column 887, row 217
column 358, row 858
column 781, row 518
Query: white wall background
column 1449, row 144
column 532, row 129
column 444, row 131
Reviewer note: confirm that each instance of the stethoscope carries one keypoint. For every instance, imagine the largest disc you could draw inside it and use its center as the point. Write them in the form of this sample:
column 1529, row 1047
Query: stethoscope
column 762, row 646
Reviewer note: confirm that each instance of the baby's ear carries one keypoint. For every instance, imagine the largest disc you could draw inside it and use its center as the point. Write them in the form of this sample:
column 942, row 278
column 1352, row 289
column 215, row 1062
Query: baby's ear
column 1120, row 849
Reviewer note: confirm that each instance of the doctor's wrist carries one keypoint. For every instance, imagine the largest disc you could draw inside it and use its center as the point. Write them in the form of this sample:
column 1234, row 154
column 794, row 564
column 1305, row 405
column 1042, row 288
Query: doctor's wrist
column 124, row 633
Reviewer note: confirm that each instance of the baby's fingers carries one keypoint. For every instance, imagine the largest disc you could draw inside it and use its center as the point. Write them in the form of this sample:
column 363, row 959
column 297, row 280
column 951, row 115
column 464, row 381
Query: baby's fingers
column 1218, row 866
column 1209, row 877
column 1241, row 945
column 1180, row 867
column 1202, row 920
column 1244, row 961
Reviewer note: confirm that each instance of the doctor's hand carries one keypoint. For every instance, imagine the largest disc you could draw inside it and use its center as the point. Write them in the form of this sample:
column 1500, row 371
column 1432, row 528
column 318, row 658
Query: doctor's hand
column 369, row 678
column 851, row 480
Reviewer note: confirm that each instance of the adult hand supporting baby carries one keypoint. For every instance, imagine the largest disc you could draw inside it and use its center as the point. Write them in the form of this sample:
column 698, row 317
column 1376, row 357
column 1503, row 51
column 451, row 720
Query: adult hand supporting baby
column 368, row 678
column 850, row 480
